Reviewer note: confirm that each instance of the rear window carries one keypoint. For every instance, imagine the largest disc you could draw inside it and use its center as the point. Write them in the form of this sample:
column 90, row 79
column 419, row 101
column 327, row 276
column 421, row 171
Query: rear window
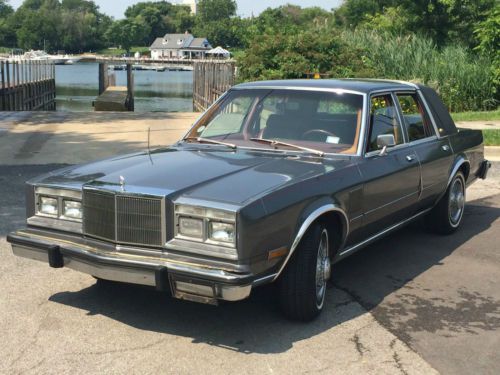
column 416, row 121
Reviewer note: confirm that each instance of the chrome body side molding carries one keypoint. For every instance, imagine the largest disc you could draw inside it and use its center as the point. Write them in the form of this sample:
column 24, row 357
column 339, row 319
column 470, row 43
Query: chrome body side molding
column 305, row 226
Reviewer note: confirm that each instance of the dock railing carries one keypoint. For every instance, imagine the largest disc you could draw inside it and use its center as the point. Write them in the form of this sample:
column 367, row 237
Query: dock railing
column 27, row 86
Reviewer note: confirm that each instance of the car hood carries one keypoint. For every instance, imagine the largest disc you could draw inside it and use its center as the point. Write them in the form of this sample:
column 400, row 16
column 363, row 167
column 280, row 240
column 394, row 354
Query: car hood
column 208, row 173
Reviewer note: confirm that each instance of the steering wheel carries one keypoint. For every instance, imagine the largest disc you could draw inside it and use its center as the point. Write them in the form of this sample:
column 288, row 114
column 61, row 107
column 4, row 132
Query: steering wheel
column 308, row 133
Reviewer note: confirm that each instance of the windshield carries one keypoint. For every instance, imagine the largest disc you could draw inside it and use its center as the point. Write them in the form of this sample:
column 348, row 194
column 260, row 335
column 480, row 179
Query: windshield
column 325, row 121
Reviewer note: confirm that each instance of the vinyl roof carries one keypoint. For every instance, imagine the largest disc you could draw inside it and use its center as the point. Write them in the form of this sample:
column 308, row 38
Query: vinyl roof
column 362, row 85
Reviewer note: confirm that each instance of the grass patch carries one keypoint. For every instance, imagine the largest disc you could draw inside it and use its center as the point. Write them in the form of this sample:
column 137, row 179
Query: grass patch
column 477, row 116
column 491, row 137
column 121, row 51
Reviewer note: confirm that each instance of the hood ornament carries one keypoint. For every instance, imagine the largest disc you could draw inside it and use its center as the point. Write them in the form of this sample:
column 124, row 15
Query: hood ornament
column 122, row 183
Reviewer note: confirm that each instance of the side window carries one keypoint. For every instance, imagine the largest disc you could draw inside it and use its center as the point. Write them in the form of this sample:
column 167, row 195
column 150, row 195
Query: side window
column 383, row 120
column 416, row 121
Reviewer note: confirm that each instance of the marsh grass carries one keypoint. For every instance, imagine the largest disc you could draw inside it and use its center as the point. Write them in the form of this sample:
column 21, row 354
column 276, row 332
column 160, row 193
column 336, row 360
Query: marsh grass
column 464, row 80
column 491, row 137
column 477, row 116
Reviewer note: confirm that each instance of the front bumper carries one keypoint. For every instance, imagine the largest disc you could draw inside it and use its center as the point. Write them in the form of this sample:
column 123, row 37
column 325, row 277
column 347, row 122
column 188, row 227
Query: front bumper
column 194, row 282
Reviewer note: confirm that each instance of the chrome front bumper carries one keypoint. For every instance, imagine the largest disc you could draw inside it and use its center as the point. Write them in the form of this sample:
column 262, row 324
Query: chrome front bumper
column 193, row 282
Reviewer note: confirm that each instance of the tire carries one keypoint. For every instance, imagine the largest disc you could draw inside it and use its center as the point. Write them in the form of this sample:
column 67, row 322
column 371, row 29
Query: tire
column 446, row 217
column 302, row 286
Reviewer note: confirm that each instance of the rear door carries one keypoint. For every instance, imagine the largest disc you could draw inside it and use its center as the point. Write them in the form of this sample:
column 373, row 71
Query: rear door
column 392, row 181
column 435, row 153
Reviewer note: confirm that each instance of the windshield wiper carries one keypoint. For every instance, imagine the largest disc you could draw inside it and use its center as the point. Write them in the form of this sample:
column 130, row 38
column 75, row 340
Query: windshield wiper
column 274, row 142
column 211, row 141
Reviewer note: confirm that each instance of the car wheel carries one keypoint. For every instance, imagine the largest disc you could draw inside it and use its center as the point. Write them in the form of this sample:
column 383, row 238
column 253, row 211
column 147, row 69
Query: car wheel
column 446, row 217
column 302, row 287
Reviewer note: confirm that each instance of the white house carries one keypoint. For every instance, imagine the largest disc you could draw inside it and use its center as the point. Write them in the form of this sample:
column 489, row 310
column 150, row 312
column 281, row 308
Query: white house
column 181, row 46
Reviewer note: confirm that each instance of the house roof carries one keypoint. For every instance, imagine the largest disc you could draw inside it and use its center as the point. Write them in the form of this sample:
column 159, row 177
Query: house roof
column 180, row 41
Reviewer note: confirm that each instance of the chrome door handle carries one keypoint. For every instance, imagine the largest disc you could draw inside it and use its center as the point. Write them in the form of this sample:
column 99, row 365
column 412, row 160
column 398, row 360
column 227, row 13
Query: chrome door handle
column 410, row 157
column 445, row 148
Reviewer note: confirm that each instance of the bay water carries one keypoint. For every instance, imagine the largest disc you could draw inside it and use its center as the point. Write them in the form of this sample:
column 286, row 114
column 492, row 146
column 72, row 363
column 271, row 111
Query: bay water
column 169, row 91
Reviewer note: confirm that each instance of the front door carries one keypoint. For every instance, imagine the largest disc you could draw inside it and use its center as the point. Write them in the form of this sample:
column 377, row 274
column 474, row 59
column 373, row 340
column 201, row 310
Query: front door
column 392, row 180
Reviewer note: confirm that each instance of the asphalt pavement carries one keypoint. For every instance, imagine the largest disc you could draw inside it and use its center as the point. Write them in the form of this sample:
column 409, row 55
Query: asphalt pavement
column 412, row 303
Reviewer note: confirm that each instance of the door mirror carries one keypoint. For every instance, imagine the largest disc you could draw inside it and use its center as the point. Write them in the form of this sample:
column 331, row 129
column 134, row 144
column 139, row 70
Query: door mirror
column 384, row 141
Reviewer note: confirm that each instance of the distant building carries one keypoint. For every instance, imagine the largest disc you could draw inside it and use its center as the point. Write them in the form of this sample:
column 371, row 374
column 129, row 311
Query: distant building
column 193, row 4
column 183, row 46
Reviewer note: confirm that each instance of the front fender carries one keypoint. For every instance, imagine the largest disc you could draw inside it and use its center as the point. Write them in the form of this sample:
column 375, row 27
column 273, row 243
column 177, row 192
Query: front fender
column 308, row 216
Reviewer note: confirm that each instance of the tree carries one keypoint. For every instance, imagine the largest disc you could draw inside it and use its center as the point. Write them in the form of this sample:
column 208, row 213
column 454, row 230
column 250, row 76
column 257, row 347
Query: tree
column 216, row 10
column 161, row 17
column 7, row 35
column 127, row 33
column 217, row 22
column 285, row 55
column 488, row 34
column 5, row 9
column 445, row 21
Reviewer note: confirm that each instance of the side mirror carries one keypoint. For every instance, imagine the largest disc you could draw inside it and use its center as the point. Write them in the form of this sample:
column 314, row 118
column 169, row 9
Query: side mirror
column 384, row 141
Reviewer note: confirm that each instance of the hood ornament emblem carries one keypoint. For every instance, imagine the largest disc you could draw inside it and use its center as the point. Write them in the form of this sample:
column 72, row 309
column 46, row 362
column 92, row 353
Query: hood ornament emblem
column 122, row 183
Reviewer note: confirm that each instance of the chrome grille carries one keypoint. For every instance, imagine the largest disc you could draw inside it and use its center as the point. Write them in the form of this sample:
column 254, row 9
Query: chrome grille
column 139, row 220
column 123, row 219
column 99, row 215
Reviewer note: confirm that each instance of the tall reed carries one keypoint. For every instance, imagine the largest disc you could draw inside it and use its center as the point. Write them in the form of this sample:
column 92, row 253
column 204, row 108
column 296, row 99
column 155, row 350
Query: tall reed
column 464, row 80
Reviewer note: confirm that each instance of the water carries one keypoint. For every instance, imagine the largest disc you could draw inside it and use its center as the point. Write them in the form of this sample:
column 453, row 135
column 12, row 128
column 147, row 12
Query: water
column 77, row 87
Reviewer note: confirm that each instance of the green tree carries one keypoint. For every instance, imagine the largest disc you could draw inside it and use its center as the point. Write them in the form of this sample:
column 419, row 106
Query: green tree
column 488, row 34
column 216, row 10
column 82, row 25
column 38, row 24
column 127, row 33
column 5, row 9
column 160, row 17
column 217, row 22
column 284, row 56
column 7, row 35
column 445, row 21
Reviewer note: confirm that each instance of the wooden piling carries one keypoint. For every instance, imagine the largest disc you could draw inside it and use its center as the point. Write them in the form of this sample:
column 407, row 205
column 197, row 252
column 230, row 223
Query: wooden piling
column 130, row 89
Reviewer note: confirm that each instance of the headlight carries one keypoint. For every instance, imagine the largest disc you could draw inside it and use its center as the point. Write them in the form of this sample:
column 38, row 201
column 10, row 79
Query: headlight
column 221, row 232
column 48, row 206
column 64, row 206
column 190, row 227
column 72, row 210
column 214, row 227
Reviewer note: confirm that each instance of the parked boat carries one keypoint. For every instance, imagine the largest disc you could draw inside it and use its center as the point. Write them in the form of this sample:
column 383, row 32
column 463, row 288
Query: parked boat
column 42, row 56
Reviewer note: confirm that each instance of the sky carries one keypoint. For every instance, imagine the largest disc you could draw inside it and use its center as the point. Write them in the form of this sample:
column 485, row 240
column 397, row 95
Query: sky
column 116, row 8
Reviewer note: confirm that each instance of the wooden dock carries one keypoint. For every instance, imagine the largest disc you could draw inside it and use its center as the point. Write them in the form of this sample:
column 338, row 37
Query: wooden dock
column 27, row 86
column 111, row 97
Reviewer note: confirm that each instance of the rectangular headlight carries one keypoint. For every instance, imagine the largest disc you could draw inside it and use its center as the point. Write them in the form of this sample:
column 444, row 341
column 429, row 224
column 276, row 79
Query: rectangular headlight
column 214, row 227
column 190, row 227
column 48, row 206
column 221, row 232
column 72, row 210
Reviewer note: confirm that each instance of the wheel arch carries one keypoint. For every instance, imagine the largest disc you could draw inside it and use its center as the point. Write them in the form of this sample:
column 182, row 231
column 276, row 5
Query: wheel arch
column 461, row 163
column 329, row 212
